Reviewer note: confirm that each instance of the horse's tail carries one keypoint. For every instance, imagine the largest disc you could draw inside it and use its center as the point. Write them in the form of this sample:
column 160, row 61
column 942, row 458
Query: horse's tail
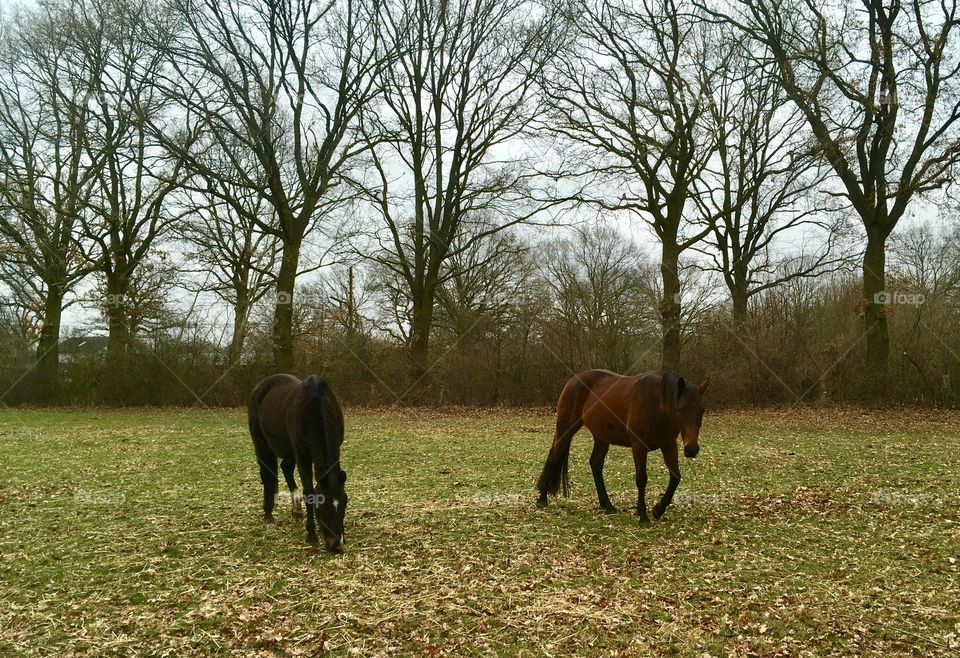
column 253, row 418
column 325, row 444
column 569, row 412
column 554, row 474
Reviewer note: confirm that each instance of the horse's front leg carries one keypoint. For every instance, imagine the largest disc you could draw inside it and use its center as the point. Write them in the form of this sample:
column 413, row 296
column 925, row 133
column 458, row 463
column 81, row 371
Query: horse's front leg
column 640, row 464
column 310, row 497
column 670, row 459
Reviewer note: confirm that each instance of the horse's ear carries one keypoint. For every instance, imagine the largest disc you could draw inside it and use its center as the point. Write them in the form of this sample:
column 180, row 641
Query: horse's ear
column 342, row 478
column 681, row 384
column 705, row 385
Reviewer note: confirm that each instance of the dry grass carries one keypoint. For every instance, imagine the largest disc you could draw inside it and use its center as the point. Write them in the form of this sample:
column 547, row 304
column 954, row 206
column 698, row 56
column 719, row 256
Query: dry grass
column 804, row 532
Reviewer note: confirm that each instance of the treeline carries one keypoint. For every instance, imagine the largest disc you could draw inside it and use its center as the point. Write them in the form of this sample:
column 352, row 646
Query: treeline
column 440, row 201
column 527, row 321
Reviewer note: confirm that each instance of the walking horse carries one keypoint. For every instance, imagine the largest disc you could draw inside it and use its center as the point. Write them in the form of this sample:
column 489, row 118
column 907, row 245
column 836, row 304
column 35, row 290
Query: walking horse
column 643, row 412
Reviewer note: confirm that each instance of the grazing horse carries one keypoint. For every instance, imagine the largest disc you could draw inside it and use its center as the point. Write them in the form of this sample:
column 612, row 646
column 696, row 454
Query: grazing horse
column 643, row 412
column 301, row 423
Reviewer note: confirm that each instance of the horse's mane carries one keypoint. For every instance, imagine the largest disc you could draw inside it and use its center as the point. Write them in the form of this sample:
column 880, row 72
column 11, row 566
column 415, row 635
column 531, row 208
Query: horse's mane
column 669, row 384
column 314, row 398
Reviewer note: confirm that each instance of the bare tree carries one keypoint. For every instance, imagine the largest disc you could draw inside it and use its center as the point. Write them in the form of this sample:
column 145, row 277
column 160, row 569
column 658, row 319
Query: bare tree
column 446, row 162
column 393, row 309
column 127, row 41
column 146, row 299
column 15, row 340
column 878, row 85
column 482, row 281
column 479, row 307
column 274, row 88
column 926, row 258
column 349, row 296
column 230, row 249
column 601, row 314
column 629, row 91
column 46, row 178
column 762, row 191
column 924, row 278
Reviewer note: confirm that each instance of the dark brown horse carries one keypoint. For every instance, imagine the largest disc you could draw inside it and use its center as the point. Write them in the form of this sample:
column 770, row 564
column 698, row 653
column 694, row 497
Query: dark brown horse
column 643, row 412
column 301, row 423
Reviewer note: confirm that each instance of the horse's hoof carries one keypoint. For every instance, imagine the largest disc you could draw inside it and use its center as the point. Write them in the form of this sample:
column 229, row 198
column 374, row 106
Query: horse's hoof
column 298, row 517
column 657, row 511
column 268, row 519
column 609, row 509
column 644, row 522
column 312, row 540
column 541, row 502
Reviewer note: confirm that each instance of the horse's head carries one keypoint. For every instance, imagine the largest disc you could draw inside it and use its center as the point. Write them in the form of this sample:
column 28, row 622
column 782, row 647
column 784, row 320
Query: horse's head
column 690, row 414
column 331, row 508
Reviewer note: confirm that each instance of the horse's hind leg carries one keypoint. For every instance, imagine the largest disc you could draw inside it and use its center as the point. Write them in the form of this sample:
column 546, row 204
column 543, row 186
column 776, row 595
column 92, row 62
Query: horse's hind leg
column 597, row 457
column 640, row 464
column 270, row 481
column 296, row 498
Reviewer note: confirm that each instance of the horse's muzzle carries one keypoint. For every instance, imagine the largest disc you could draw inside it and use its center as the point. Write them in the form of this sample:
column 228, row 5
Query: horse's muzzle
column 333, row 544
column 690, row 451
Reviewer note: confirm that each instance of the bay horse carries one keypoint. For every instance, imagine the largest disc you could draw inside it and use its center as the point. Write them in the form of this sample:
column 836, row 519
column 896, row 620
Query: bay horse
column 642, row 412
column 301, row 423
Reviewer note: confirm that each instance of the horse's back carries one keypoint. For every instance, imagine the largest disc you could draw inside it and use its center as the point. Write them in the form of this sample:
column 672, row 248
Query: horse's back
column 609, row 402
column 278, row 382
column 600, row 384
column 583, row 390
column 267, row 410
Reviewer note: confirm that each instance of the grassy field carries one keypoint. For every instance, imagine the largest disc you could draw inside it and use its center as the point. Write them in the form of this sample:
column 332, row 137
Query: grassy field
column 806, row 532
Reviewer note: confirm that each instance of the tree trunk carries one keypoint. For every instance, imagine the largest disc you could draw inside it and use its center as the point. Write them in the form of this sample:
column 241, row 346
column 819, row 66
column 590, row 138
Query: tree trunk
column 118, row 326
column 739, row 297
column 241, row 313
column 283, row 310
column 670, row 306
column 420, row 337
column 353, row 315
column 875, row 315
column 48, row 348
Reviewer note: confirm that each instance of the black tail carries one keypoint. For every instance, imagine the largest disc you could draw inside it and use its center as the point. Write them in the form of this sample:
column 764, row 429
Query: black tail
column 253, row 420
column 555, row 472
column 318, row 398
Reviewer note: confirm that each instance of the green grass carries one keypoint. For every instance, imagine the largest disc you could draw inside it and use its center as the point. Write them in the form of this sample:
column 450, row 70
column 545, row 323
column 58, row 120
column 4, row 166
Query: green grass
column 806, row 532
